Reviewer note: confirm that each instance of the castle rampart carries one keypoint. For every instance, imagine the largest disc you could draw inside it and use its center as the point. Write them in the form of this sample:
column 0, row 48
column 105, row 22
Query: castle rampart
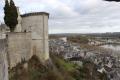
column 18, row 47
column 37, row 24
column 29, row 38
column 3, row 60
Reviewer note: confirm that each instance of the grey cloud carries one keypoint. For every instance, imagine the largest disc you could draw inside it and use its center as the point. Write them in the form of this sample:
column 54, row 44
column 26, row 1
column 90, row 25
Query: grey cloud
column 80, row 16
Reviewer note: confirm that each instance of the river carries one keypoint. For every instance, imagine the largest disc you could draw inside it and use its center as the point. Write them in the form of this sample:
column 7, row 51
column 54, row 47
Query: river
column 115, row 47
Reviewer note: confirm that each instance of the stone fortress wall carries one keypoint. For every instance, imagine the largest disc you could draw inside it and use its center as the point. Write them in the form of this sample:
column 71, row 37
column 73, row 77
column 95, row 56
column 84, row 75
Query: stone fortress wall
column 18, row 48
column 29, row 38
column 3, row 60
column 37, row 24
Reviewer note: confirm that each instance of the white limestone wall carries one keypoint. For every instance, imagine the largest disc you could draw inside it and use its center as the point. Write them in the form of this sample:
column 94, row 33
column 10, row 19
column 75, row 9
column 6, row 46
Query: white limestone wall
column 2, row 35
column 33, row 24
column 3, row 61
column 46, row 47
column 38, row 26
column 19, row 48
column 18, row 26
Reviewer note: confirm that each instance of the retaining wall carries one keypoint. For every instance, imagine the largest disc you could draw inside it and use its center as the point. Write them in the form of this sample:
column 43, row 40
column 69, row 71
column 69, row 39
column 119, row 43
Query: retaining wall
column 19, row 47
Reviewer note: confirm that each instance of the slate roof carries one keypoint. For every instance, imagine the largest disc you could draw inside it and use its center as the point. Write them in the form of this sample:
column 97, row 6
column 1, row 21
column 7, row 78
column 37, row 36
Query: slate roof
column 34, row 14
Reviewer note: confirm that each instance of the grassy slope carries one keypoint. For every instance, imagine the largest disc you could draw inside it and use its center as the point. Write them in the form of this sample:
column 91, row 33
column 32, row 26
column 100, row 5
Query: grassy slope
column 60, row 70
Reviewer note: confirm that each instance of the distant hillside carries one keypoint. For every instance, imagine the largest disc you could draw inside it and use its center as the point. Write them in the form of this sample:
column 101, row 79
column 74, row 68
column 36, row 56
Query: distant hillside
column 114, row 34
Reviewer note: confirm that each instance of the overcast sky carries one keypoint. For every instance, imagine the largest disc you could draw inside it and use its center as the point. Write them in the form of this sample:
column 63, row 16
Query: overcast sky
column 74, row 16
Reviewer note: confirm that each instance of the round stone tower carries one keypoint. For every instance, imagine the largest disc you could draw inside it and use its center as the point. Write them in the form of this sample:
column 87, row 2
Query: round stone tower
column 37, row 24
